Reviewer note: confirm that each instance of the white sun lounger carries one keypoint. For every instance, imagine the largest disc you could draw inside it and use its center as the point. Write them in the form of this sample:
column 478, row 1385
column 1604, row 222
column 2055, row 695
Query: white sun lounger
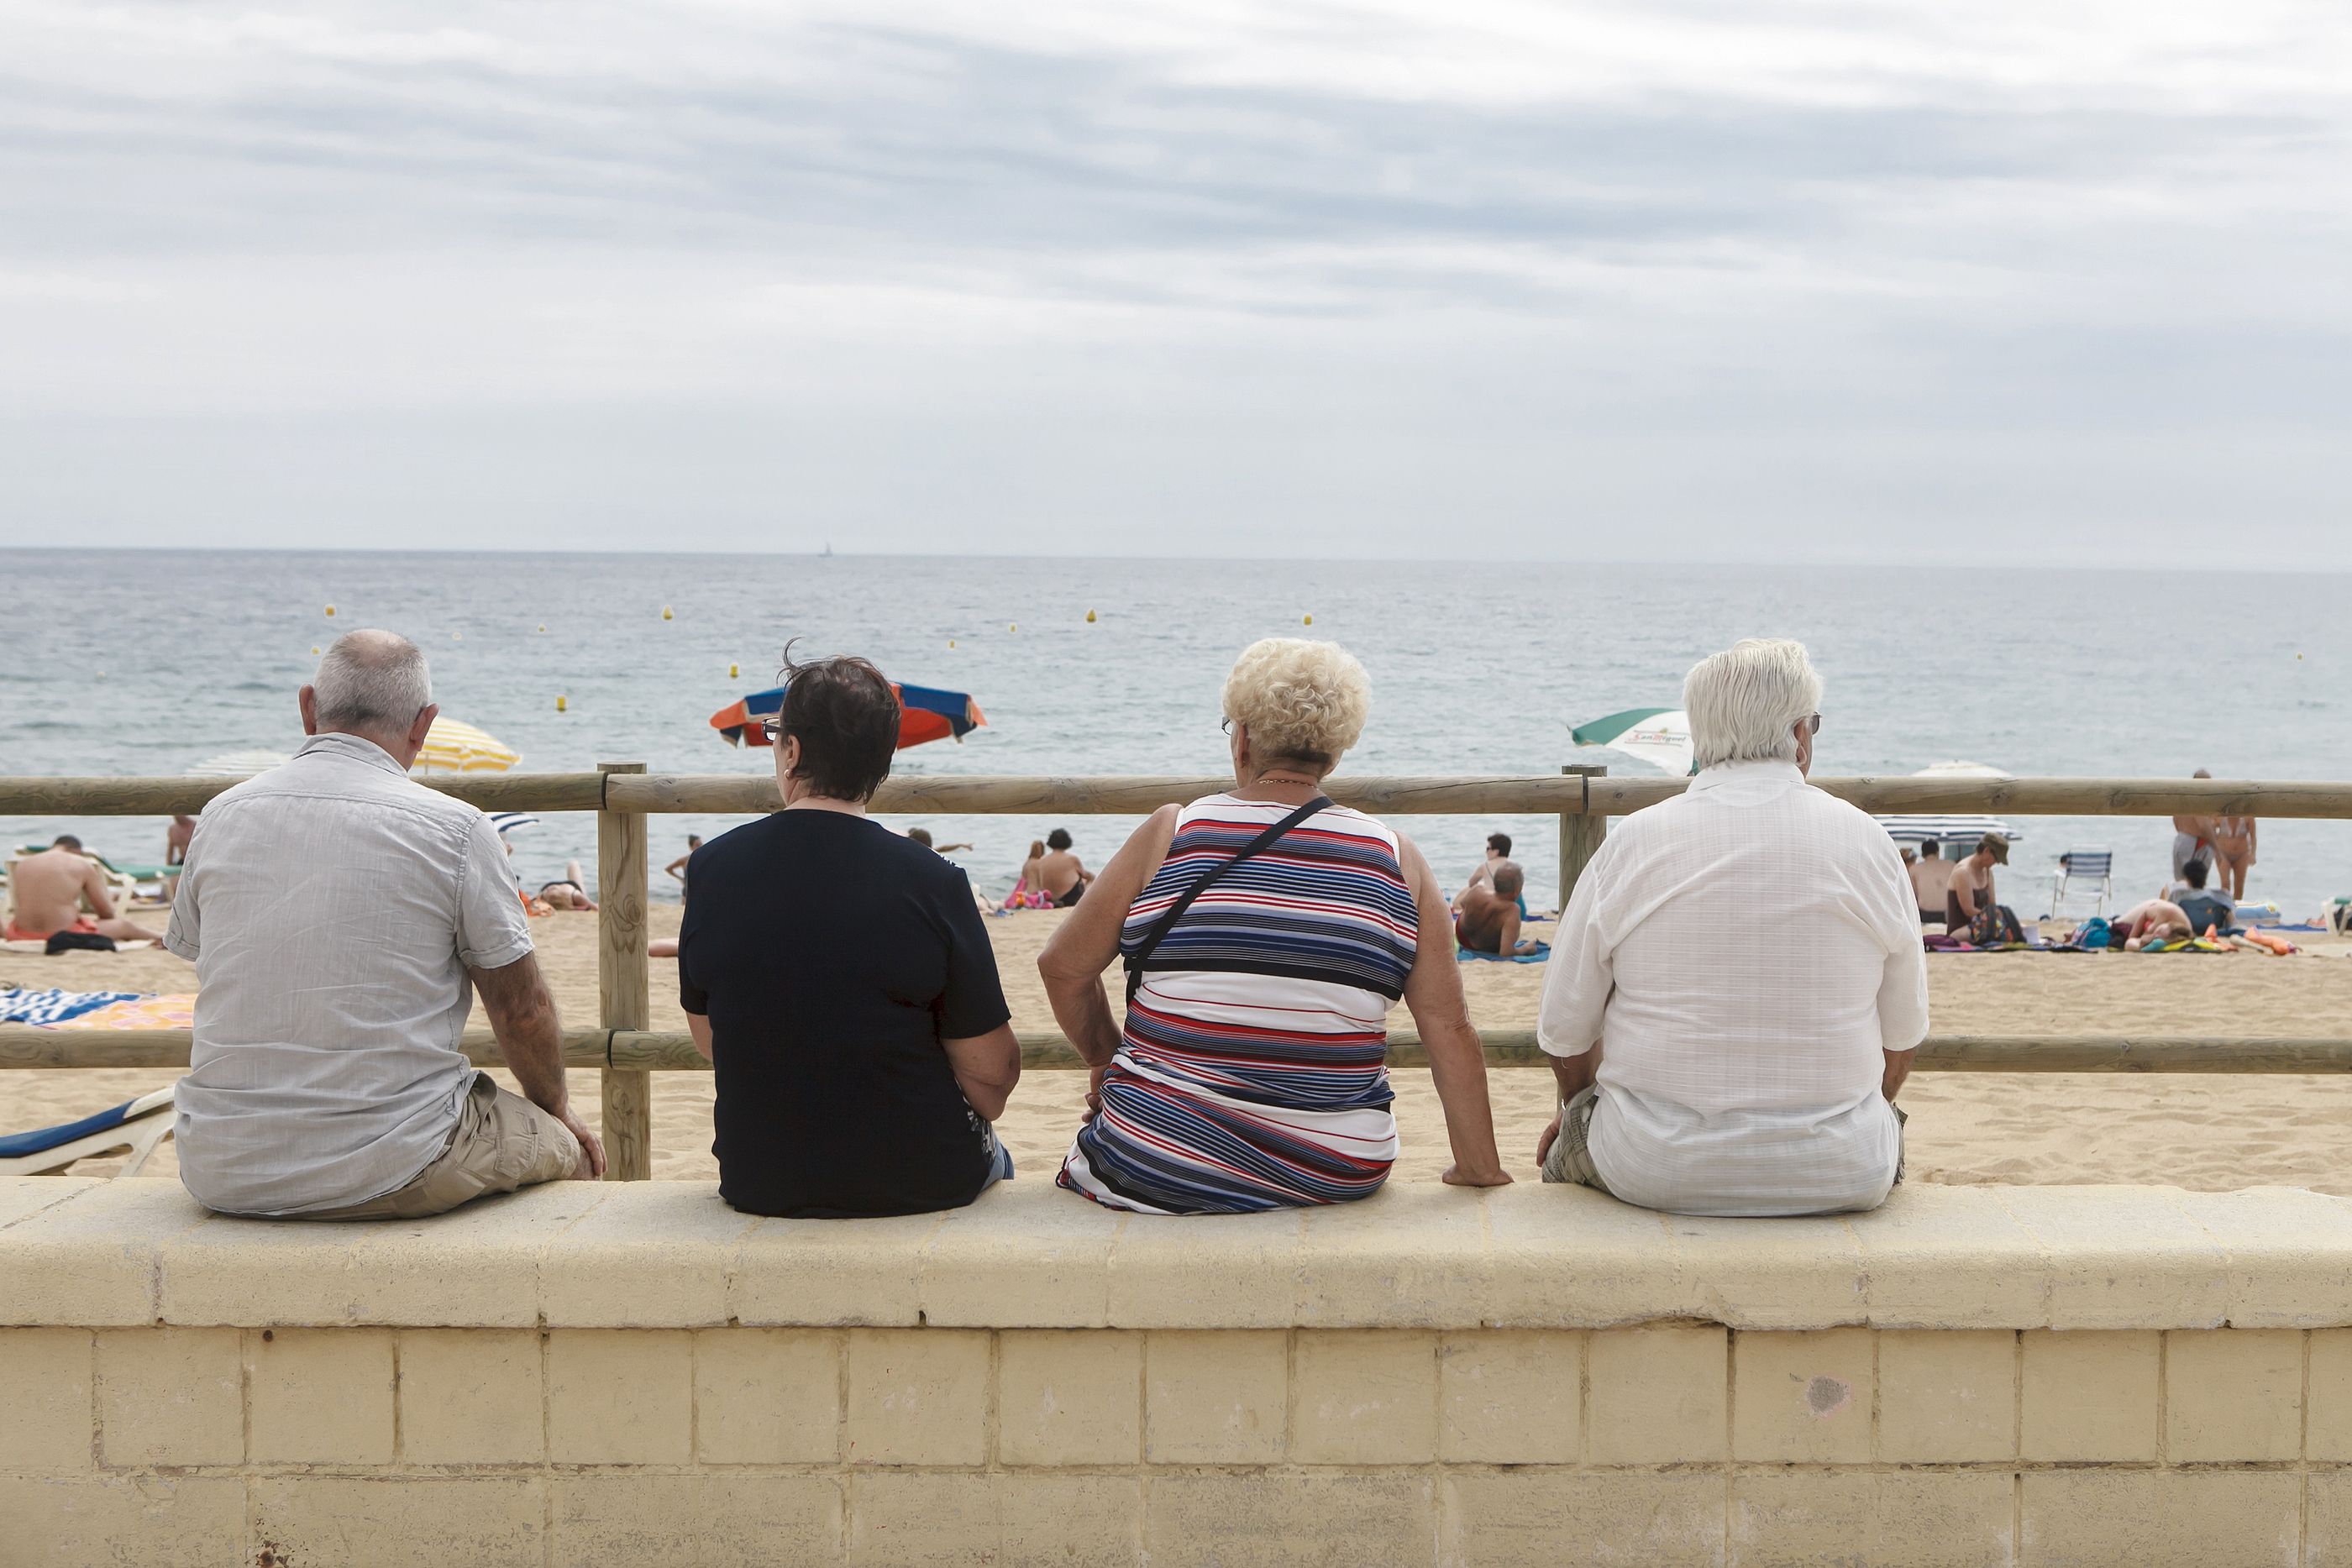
column 137, row 1126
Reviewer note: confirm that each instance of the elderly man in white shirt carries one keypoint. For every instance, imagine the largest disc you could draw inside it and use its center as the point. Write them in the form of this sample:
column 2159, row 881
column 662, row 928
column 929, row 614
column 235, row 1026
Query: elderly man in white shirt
column 1738, row 985
column 340, row 917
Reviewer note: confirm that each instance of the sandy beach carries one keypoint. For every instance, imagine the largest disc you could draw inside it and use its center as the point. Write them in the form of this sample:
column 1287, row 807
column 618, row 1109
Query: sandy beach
column 2194, row 1131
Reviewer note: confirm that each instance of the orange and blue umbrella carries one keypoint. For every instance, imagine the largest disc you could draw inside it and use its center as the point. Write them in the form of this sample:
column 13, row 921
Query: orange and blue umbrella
column 927, row 714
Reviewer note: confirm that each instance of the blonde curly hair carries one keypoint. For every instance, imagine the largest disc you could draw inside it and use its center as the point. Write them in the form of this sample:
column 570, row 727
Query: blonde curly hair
column 1300, row 701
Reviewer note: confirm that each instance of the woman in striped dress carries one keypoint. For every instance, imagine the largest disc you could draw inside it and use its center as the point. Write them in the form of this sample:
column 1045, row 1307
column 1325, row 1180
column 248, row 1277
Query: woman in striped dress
column 1251, row 1072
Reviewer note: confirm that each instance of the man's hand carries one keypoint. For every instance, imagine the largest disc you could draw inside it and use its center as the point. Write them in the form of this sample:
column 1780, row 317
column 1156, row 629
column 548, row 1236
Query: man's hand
column 1550, row 1136
column 1457, row 1176
column 591, row 1148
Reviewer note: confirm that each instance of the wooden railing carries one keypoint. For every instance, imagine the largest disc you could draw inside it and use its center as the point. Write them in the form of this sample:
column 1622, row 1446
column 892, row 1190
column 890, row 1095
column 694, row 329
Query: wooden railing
column 623, row 794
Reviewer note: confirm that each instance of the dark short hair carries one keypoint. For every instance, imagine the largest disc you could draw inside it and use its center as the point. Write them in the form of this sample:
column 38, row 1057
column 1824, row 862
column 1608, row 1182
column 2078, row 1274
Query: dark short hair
column 846, row 716
column 921, row 835
column 2193, row 871
column 1059, row 839
column 1931, row 846
column 65, row 841
column 693, row 839
column 1499, row 843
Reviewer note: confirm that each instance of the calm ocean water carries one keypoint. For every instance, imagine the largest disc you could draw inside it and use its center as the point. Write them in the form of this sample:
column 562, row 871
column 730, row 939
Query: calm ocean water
column 171, row 657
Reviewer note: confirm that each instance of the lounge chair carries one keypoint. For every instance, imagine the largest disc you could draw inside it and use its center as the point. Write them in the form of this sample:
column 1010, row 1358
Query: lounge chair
column 137, row 1126
column 2084, row 865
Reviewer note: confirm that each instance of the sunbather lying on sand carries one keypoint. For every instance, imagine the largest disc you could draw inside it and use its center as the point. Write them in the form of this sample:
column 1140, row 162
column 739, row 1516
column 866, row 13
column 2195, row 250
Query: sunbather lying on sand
column 2155, row 921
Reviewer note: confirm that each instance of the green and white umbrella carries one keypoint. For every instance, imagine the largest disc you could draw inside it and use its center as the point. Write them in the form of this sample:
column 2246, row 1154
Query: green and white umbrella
column 1658, row 736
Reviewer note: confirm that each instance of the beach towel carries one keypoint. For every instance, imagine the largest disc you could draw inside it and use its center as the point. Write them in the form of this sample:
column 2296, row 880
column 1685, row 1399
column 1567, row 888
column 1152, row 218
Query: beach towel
column 139, row 1012
column 1543, row 951
column 53, row 1006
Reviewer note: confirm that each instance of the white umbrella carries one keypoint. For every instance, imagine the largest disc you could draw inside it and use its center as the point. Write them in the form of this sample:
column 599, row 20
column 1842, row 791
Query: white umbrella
column 1957, row 827
column 238, row 764
column 1658, row 736
column 512, row 822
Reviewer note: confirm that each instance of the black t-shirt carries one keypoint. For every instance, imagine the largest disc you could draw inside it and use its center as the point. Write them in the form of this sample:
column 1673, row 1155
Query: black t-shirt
column 831, row 956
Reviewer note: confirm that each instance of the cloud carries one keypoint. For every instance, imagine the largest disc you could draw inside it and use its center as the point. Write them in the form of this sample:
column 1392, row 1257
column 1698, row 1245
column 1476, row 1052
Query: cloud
column 1800, row 235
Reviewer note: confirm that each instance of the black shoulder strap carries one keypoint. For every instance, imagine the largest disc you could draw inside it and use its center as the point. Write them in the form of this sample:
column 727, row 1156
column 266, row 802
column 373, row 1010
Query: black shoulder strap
column 1137, row 960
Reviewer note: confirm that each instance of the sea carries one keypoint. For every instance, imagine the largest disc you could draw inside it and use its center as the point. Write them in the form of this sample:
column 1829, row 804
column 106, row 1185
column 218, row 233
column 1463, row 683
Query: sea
column 150, row 662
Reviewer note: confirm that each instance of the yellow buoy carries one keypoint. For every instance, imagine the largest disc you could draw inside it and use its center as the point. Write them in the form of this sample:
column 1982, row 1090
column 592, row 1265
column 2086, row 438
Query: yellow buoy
column 1306, row 621
column 330, row 610
column 314, row 650
column 543, row 625
column 456, row 636
column 666, row 614
column 559, row 704
column 1013, row 627
column 950, row 642
column 1090, row 617
column 734, row 672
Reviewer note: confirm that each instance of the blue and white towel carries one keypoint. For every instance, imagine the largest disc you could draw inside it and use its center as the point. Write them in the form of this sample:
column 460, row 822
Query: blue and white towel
column 54, row 1006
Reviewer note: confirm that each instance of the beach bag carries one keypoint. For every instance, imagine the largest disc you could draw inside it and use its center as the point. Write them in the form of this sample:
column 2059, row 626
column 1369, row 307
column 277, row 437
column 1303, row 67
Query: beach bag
column 1141, row 956
column 1994, row 924
column 2093, row 934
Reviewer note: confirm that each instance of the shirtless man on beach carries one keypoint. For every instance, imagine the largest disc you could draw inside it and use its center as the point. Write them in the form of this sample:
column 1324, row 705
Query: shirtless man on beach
column 1931, row 881
column 1063, row 876
column 50, row 887
column 2156, row 920
column 1490, row 913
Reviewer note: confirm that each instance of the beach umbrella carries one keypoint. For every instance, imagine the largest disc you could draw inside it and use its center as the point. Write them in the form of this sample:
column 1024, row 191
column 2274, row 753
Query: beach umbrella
column 929, row 714
column 238, row 764
column 1955, row 827
column 508, row 822
column 1658, row 736
column 453, row 746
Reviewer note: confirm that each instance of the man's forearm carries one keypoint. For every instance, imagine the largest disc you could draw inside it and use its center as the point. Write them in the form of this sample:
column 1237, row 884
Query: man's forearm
column 1573, row 1075
column 1898, row 1068
column 530, row 1038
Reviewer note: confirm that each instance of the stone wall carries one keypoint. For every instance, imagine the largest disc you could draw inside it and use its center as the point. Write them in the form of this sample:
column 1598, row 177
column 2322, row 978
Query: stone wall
column 615, row 1375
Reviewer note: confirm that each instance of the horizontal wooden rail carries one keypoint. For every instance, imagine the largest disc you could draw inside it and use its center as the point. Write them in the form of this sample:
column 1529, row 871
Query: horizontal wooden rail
column 978, row 795
column 670, row 1051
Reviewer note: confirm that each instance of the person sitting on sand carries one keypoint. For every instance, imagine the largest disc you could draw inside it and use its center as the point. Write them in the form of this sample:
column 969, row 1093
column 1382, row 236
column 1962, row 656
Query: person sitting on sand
column 1972, row 908
column 342, row 917
column 2158, row 920
column 1737, row 985
column 1029, row 886
column 1498, row 854
column 1489, row 917
column 1265, row 934
column 50, row 887
column 2204, row 909
column 1062, row 874
column 1931, row 881
column 176, row 850
column 862, row 1045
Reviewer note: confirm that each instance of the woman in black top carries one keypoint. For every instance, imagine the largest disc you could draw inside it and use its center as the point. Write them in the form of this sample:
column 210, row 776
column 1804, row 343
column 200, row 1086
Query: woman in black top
column 840, row 981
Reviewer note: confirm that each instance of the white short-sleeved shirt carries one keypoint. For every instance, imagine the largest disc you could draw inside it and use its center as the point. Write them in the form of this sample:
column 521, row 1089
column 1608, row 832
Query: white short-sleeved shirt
column 331, row 907
column 1743, row 953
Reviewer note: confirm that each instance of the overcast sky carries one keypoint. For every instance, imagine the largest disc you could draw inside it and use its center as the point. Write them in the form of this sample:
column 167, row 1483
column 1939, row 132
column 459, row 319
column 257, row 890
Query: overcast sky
column 1755, row 279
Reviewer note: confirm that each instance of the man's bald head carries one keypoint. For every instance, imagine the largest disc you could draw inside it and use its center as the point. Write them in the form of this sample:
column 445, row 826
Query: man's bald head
column 1508, row 879
column 372, row 684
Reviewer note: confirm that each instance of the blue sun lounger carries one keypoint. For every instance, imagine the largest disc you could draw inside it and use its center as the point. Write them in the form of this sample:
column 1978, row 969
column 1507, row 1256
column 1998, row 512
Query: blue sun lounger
column 137, row 1126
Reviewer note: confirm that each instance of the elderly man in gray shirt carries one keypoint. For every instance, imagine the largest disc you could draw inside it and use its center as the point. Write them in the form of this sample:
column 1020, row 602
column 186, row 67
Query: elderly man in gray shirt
column 340, row 917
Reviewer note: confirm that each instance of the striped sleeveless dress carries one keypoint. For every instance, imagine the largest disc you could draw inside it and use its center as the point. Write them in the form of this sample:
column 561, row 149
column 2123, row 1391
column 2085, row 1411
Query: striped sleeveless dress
column 1252, row 1072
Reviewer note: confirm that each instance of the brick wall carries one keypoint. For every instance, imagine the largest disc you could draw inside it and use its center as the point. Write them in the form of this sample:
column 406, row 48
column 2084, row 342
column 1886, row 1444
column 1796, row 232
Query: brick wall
column 1662, row 1444
column 611, row 1375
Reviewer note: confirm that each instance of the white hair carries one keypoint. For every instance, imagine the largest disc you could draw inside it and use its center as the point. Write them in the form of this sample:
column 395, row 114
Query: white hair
column 372, row 682
column 1300, row 701
column 1745, row 702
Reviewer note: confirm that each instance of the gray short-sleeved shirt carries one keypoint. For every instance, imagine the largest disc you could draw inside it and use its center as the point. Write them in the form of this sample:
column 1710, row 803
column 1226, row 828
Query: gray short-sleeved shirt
column 331, row 907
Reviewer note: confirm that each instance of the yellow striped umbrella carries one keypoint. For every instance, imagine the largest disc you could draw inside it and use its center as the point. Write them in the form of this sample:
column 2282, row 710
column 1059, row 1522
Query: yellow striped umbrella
column 453, row 746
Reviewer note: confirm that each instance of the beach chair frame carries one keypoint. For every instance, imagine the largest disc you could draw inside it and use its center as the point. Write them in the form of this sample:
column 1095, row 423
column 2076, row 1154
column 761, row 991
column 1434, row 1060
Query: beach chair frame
column 146, row 1123
column 2083, row 866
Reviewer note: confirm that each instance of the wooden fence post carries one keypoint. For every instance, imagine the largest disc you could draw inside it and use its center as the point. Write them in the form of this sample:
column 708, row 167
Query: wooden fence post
column 1580, row 834
column 624, row 985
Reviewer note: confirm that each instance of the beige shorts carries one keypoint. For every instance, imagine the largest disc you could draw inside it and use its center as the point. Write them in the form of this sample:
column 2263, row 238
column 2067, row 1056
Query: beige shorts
column 501, row 1142
column 1571, row 1159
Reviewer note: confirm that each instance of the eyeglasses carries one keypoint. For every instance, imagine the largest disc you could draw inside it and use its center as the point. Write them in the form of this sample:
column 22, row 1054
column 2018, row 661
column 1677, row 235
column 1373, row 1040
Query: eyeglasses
column 1813, row 725
column 1227, row 724
column 771, row 729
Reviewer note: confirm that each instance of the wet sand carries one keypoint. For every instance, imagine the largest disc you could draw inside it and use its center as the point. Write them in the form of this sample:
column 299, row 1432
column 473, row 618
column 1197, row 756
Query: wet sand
column 2205, row 1132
